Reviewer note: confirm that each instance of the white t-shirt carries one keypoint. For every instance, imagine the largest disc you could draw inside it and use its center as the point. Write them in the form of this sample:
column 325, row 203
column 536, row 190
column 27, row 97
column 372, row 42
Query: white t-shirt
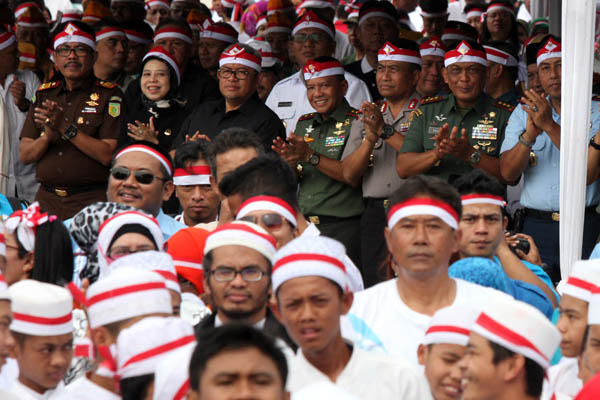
column 23, row 392
column 366, row 376
column 84, row 389
column 562, row 379
column 9, row 373
column 380, row 321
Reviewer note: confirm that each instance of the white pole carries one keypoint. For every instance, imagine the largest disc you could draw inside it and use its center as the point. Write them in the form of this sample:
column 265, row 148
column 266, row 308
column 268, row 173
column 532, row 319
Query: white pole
column 578, row 19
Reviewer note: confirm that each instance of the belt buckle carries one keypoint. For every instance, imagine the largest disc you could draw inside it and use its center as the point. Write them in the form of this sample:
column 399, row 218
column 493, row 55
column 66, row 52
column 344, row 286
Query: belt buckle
column 61, row 192
column 556, row 216
column 385, row 203
column 314, row 219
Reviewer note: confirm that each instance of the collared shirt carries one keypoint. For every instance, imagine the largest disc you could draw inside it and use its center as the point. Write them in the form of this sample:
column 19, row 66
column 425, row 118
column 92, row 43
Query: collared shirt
column 319, row 194
column 541, row 182
column 562, row 379
column 343, row 48
column 363, row 70
column 289, row 101
column 366, row 375
column 484, row 123
column 168, row 225
column 381, row 179
column 84, row 389
column 511, row 97
column 95, row 108
column 210, row 118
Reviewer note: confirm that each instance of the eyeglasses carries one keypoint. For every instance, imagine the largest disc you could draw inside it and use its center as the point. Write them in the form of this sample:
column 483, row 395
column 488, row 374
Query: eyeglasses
column 143, row 177
column 65, row 51
column 123, row 251
column 240, row 74
column 227, row 274
column 313, row 37
column 270, row 221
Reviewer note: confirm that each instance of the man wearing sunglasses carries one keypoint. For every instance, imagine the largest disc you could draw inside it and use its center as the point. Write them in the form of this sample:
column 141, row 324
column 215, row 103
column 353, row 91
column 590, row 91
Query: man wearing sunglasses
column 237, row 277
column 71, row 131
column 313, row 37
column 141, row 176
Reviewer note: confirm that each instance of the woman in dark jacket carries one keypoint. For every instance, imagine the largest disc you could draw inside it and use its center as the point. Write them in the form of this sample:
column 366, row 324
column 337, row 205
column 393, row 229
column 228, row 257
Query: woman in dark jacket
column 157, row 114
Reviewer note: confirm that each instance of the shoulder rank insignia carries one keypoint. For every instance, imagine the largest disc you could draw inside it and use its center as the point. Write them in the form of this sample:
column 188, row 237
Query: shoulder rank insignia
column 383, row 106
column 306, row 116
column 431, row 99
column 48, row 85
column 106, row 84
column 353, row 113
column 504, row 105
column 413, row 103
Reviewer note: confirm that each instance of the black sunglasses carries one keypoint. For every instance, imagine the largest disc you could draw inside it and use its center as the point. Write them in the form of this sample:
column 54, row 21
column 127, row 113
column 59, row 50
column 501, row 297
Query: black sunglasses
column 143, row 177
column 270, row 221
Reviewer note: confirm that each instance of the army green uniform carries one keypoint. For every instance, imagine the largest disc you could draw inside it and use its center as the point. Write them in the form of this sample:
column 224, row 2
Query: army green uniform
column 332, row 205
column 484, row 123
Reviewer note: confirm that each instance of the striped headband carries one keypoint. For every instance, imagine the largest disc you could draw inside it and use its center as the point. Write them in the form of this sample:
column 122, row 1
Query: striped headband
column 314, row 69
column 375, row 12
column 73, row 34
column 475, row 12
column 389, row 52
column 312, row 20
column 212, row 31
column 150, row 151
column 199, row 175
column 107, row 32
column 465, row 53
column 138, row 37
column 298, row 265
column 551, row 49
column 238, row 55
column 482, row 198
column 7, row 39
column 241, row 233
column 162, row 54
column 23, row 7
column 423, row 206
column 171, row 32
column 159, row 3
column 2, row 242
column 499, row 6
column 268, row 203
column 500, row 57
column 433, row 14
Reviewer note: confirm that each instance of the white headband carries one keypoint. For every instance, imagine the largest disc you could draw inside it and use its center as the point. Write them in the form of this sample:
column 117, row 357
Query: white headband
column 482, row 198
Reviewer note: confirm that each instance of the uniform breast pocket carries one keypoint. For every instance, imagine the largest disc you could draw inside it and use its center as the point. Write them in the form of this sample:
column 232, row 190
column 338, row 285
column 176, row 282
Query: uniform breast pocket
column 286, row 110
column 89, row 123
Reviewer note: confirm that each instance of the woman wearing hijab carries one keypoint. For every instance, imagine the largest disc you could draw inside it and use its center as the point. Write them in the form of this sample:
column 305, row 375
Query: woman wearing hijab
column 157, row 115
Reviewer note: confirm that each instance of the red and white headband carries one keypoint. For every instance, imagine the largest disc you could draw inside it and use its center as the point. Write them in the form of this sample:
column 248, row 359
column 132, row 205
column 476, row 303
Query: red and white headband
column 309, row 264
column 2, row 242
column 423, row 206
column 552, row 49
column 7, row 39
column 238, row 55
column 137, row 37
column 109, row 31
column 71, row 15
column 499, row 6
column 316, row 4
column 464, row 53
column 161, row 53
column 32, row 21
column 27, row 58
column 158, row 3
column 433, row 47
column 148, row 150
column 20, row 10
column 199, row 175
column 434, row 14
column 477, row 198
column 451, row 325
column 375, row 12
column 4, row 295
column 311, row 20
column 171, row 32
column 583, row 281
column 213, row 31
column 500, row 57
column 268, row 203
column 475, row 12
column 314, row 69
column 73, row 34
column 241, row 233
column 277, row 27
column 389, row 52
column 25, row 224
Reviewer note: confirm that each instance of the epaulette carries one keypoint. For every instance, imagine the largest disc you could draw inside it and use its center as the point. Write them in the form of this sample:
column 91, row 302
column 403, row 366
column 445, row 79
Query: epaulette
column 353, row 113
column 306, row 116
column 431, row 99
column 48, row 85
column 107, row 84
column 504, row 105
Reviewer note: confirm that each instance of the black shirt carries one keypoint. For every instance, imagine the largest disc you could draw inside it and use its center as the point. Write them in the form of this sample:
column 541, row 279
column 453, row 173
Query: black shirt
column 210, row 119
column 196, row 86
column 369, row 78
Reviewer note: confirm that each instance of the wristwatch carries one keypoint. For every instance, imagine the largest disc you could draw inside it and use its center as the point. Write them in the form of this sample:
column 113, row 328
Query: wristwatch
column 314, row 159
column 475, row 157
column 388, row 131
column 594, row 144
column 70, row 132
column 525, row 142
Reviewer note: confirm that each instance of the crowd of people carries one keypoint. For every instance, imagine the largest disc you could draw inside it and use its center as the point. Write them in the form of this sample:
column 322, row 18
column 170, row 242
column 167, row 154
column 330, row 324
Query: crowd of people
column 286, row 199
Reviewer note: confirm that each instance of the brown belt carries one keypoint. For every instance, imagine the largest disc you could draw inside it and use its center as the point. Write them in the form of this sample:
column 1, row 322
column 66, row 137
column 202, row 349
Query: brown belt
column 66, row 192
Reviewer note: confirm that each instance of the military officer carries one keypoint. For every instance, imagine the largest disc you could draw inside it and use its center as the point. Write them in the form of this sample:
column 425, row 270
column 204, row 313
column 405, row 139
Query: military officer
column 452, row 134
column 71, row 131
column 373, row 146
column 326, row 197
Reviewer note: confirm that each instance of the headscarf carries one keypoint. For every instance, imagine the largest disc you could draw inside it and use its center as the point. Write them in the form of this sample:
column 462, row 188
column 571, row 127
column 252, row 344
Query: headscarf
column 171, row 97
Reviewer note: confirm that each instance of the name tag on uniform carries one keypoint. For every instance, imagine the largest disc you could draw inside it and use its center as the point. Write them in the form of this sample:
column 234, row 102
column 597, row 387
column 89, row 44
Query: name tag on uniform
column 284, row 104
column 332, row 141
column 484, row 132
column 434, row 130
column 89, row 110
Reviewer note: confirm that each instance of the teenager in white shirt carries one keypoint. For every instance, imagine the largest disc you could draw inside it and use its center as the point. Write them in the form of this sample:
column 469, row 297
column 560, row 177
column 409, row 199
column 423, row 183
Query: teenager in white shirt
column 311, row 287
column 422, row 235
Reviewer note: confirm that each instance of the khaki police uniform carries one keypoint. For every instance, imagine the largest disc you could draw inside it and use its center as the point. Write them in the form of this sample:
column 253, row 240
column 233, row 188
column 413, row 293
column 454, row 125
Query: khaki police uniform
column 69, row 179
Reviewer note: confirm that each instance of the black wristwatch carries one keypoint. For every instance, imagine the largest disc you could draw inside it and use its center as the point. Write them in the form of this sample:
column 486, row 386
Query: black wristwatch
column 314, row 159
column 70, row 132
column 388, row 131
column 475, row 157
column 594, row 144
